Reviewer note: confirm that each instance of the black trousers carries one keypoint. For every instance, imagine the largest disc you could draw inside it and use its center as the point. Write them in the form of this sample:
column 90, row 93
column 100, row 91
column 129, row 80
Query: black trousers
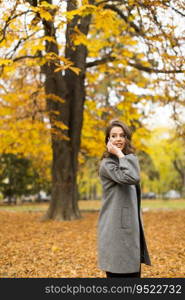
column 124, row 275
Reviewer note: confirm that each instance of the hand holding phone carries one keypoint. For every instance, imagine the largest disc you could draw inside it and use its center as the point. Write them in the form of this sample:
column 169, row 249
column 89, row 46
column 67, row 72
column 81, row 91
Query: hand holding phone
column 114, row 149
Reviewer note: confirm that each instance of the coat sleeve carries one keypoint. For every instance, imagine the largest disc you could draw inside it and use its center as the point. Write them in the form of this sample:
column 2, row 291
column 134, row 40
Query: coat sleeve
column 126, row 170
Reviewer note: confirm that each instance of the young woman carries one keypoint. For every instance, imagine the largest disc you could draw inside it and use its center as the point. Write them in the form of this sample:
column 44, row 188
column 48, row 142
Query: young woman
column 121, row 241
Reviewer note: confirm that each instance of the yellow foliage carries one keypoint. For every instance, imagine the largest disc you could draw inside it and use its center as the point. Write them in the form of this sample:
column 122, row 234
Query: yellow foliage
column 23, row 128
column 48, row 5
column 92, row 132
column 95, row 45
column 45, row 15
column 83, row 11
column 60, row 125
column 107, row 21
column 54, row 97
column 78, row 37
column 5, row 61
column 75, row 70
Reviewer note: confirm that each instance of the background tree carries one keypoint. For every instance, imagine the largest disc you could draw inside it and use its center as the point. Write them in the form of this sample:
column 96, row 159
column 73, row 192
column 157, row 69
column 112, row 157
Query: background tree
column 166, row 150
column 17, row 177
column 149, row 172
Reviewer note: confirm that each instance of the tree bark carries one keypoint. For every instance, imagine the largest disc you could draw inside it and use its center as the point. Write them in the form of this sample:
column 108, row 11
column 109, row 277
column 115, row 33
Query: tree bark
column 178, row 165
column 71, row 88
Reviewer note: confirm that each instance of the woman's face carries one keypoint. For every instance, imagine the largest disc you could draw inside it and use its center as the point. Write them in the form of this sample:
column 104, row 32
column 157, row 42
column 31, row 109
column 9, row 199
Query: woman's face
column 117, row 137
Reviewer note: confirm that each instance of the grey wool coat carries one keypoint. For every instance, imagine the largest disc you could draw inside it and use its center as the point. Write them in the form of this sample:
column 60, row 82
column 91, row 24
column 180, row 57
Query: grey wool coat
column 121, row 241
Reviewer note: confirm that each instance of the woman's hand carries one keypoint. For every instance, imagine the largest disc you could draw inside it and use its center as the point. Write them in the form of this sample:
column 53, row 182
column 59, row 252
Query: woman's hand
column 114, row 150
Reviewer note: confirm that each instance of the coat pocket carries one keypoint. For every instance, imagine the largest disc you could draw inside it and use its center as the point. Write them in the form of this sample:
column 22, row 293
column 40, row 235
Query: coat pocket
column 125, row 217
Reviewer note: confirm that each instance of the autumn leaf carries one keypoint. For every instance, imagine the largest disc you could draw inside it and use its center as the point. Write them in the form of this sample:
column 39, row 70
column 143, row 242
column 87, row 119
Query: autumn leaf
column 69, row 249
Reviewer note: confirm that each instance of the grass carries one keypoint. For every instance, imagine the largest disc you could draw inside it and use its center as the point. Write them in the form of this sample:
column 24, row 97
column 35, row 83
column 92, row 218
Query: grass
column 94, row 205
column 164, row 204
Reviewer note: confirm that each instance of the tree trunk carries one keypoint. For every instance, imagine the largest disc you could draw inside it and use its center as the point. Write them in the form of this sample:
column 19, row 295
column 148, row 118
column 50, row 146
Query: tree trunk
column 71, row 88
column 179, row 166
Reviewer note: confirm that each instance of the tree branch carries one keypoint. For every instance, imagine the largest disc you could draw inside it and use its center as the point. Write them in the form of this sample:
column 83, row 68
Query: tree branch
column 174, row 9
column 32, row 2
column 153, row 70
column 137, row 66
column 3, row 31
column 26, row 56
column 102, row 61
column 105, row 1
column 17, row 46
column 179, row 169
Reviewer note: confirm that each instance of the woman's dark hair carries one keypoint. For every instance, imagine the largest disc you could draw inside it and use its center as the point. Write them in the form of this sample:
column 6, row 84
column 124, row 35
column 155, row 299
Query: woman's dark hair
column 128, row 149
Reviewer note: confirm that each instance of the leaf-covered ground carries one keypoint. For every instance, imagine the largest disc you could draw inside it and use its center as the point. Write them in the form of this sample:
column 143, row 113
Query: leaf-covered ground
column 31, row 248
